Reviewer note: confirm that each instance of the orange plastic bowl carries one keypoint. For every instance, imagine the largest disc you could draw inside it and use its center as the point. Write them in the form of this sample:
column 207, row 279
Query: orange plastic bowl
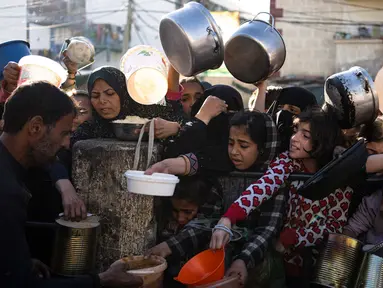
column 204, row 268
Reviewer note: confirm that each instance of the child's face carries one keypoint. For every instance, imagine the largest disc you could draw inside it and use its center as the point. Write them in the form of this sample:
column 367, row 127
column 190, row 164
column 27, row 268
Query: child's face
column 375, row 147
column 192, row 92
column 300, row 143
column 243, row 152
column 183, row 211
column 84, row 111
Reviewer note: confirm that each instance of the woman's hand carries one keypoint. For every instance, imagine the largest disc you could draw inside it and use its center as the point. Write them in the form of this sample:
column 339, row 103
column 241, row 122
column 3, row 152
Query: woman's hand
column 74, row 207
column 238, row 268
column 212, row 107
column 161, row 250
column 163, row 128
column 11, row 76
column 220, row 238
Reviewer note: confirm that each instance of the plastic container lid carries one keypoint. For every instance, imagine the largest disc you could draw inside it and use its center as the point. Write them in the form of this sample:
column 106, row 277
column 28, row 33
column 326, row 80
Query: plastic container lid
column 155, row 177
column 46, row 63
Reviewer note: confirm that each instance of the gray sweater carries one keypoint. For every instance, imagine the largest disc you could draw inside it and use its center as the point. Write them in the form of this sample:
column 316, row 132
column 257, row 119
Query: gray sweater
column 368, row 219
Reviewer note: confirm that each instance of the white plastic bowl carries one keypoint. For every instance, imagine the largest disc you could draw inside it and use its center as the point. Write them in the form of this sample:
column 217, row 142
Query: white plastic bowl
column 158, row 184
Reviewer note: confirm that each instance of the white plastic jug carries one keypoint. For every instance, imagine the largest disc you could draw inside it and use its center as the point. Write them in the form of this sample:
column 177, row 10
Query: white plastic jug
column 146, row 71
column 38, row 68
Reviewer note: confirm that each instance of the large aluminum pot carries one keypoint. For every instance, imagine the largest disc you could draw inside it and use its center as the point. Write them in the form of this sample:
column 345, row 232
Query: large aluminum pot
column 338, row 263
column 352, row 93
column 255, row 51
column 75, row 247
column 191, row 40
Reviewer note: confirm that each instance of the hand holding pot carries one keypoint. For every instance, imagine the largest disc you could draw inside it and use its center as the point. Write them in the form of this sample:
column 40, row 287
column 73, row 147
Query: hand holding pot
column 11, row 76
column 212, row 107
column 116, row 276
column 220, row 237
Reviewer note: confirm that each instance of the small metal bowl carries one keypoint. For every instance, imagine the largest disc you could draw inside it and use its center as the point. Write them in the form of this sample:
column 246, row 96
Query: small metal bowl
column 127, row 131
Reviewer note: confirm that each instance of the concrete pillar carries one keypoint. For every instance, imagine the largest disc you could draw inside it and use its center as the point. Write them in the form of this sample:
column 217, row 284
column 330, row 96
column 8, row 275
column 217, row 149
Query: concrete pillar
column 128, row 225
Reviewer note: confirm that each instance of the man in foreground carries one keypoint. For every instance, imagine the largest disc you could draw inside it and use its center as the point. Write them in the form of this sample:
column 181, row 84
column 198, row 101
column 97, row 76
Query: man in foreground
column 38, row 120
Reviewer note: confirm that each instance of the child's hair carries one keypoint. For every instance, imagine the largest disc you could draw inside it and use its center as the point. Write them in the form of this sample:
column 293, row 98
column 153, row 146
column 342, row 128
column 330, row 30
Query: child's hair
column 192, row 80
column 255, row 125
column 325, row 132
column 195, row 189
column 373, row 132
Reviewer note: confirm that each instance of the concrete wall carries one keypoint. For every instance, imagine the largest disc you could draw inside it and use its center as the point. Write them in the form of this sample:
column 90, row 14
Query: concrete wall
column 359, row 52
column 311, row 48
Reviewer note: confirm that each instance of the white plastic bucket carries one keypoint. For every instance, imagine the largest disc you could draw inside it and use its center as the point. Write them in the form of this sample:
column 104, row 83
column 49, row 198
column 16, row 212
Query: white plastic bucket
column 146, row 71
column 38, row 68
column 158, row 184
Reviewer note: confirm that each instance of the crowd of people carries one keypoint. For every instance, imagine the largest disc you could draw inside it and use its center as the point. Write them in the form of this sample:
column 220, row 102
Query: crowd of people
column 206, row 133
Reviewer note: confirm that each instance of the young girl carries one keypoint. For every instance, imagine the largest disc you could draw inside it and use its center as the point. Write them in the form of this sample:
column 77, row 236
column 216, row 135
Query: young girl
column 253, row 143
column 316, row 134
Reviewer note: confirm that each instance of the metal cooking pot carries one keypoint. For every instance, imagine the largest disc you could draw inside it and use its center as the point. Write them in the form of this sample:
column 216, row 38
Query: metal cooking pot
column 191, row 40
column 255, row 51
column 80, row 50
column 338, row 263
column 352, row 93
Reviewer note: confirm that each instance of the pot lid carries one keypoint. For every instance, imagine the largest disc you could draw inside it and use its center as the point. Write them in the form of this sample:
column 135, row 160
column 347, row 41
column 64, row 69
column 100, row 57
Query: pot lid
column 89, row 222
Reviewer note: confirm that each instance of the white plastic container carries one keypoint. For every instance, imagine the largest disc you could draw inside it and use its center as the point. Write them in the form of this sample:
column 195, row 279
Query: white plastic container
column 146, row 72
column 158, row 184
column 38, row 68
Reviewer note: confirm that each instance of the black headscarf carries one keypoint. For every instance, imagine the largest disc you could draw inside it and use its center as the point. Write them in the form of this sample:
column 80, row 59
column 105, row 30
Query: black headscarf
column 218, row 128
column 115, row 79
column 296, row 96
column 102, row 128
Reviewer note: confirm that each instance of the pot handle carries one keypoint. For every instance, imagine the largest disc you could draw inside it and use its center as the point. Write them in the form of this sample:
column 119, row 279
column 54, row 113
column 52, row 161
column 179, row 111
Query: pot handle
column 215, row 37
column 366, row 83
column 271, row 16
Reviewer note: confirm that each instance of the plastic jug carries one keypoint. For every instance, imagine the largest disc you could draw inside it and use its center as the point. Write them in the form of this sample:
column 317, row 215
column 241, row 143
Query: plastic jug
column 146, row 71
column 38, row 68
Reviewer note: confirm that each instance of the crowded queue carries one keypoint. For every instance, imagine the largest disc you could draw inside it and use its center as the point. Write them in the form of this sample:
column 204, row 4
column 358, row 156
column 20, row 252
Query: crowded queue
column 206, row 133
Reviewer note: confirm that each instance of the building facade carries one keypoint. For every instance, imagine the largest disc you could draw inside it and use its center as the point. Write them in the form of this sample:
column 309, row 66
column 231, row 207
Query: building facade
column 326, row 36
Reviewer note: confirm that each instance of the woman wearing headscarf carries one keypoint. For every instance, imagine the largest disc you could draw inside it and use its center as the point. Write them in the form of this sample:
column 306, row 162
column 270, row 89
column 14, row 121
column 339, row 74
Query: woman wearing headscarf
column 111, row 101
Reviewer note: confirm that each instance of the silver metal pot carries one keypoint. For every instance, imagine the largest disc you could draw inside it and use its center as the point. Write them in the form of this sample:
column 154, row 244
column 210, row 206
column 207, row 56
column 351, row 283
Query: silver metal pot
column 191, row 40
column 352, row 93
column 80, row 50
column 255, row 51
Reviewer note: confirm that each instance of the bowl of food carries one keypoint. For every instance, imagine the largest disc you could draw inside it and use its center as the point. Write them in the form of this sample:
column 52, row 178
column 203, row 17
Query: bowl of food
column 157, row 184
column 128, row 129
